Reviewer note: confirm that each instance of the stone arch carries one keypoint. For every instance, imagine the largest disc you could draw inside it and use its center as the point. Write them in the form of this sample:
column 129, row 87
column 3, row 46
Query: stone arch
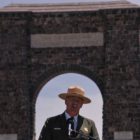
column 62, row 69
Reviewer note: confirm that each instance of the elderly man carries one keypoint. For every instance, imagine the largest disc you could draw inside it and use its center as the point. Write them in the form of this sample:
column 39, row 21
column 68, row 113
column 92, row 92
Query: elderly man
column 70, row 125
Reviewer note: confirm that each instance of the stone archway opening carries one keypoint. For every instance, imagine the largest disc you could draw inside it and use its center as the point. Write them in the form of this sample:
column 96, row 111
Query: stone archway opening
column 48, row 104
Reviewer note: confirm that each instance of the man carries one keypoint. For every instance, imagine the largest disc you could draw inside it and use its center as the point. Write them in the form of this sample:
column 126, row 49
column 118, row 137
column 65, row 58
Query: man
column 70, row 125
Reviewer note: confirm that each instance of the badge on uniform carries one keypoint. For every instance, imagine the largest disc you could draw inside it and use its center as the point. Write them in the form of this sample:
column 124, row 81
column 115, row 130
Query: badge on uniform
column 86, row 129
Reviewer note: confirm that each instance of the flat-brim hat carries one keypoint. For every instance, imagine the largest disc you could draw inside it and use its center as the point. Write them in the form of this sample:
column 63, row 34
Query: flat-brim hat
column 75, row 91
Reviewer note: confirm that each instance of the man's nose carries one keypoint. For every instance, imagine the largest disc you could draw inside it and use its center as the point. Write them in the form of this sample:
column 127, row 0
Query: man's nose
column 75, row 102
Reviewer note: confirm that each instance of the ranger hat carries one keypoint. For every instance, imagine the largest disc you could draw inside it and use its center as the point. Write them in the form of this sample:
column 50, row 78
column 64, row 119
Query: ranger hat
column 75, row 91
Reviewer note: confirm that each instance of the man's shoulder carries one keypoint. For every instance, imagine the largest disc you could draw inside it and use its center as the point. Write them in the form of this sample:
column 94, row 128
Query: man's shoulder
column 57, row 117
column 87, row 119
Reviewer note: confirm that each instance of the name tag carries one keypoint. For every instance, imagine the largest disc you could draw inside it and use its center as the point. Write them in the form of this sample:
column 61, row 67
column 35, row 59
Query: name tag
column 57, row 128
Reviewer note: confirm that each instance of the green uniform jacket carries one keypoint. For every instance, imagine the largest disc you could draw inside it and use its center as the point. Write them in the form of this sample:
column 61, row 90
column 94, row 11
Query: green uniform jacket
column 55, row 128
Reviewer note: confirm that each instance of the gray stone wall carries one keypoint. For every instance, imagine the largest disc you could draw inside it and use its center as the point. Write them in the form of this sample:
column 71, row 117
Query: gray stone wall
column 14, row 75
column 114, row 66
column 122, row 63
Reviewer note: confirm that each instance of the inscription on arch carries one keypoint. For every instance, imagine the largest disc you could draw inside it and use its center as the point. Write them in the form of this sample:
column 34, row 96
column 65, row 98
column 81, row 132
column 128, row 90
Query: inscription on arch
column 67, row 40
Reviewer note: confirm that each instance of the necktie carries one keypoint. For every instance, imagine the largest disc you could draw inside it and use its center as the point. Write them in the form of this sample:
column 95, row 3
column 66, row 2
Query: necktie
column 70, row 123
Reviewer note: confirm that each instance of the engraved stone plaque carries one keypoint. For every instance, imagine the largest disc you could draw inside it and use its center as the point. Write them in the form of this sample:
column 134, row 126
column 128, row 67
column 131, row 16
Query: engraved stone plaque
column 67, row 40
column 8, row 136
column 123, row 135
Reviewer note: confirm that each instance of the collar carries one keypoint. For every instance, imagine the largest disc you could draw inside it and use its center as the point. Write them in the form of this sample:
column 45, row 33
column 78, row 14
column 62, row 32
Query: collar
column 68, row 116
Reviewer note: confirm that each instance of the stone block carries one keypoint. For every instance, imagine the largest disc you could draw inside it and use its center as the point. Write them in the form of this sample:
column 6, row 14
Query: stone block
column 123, row 135
column 8, row 136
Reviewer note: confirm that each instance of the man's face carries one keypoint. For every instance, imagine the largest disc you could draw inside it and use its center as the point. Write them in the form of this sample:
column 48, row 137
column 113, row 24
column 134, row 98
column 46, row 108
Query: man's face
column 73, row 105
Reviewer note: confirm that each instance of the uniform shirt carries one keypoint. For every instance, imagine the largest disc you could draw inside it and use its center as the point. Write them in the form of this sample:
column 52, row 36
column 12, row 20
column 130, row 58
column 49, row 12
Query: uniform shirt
column 75, row 119
column 55, row 128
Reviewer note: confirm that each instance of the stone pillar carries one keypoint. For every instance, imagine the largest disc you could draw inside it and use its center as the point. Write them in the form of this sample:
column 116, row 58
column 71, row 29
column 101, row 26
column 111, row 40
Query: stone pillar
column 121, row 72
column 14, row 76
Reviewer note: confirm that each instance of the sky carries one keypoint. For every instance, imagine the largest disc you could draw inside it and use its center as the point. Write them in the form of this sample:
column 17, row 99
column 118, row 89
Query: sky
column 7, row 2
